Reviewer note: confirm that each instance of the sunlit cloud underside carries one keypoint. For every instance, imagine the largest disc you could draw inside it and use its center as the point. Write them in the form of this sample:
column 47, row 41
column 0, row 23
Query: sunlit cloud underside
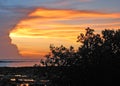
column 43, row 27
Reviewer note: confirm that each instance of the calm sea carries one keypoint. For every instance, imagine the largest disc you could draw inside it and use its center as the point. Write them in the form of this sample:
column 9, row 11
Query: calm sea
column 18, row 63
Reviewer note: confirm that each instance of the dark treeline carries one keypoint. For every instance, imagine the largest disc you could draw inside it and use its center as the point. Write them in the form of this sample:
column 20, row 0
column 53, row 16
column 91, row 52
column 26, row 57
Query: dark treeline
column 95, row 62
column 95, row 49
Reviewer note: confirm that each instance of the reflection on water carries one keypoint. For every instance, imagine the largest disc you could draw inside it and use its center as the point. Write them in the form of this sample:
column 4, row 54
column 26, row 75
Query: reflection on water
column 18, row 63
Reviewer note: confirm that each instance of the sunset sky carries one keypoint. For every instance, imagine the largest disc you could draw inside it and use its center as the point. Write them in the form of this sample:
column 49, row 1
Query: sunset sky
column 28, row 27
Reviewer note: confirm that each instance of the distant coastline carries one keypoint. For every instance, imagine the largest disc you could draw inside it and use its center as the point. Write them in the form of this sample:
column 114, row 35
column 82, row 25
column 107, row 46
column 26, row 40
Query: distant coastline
column 18, row 62
column 14, row 61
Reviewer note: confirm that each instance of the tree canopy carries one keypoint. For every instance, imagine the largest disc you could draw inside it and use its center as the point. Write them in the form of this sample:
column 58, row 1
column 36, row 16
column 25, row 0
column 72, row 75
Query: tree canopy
column 96, row 49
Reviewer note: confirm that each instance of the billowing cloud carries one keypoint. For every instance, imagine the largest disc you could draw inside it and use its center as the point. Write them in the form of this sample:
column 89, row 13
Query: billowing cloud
column 8, row 19
column 57, row 22
column 43, row 27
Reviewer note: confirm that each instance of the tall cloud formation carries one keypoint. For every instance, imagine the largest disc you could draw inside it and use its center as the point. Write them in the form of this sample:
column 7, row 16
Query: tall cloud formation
column 11, row 11
column 57, row 26
column 72, row 14
column 7, row 50
column 9, row 16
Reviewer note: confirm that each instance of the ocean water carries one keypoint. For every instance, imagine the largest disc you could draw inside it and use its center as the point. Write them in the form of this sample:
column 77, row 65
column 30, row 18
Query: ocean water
column 19, row 63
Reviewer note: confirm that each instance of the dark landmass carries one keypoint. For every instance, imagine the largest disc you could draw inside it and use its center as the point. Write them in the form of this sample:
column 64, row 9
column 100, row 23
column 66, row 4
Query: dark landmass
column 64, row 76
column 15, row 61
column 96, row 62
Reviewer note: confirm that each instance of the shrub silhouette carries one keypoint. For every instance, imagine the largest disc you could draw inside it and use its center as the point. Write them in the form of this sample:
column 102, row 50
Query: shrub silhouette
column 60, row 56
column 99, row 48
column 95, row 62
column 96, row 49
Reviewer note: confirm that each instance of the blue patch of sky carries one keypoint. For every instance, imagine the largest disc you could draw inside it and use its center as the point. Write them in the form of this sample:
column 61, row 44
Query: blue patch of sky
column 107, row 5
column 99, row 5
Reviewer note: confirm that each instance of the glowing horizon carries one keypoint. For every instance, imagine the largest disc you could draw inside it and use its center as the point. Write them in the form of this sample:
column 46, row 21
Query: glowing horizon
column 43, row 27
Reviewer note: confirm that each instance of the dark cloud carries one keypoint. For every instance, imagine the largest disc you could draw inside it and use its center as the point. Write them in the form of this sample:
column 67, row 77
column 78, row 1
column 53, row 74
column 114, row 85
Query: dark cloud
column 9, row 17
column 11, row 12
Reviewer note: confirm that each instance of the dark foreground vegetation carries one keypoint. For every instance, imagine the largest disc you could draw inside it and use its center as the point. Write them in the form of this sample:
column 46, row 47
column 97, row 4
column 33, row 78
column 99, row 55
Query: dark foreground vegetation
column 62, row 76
column 96, row 62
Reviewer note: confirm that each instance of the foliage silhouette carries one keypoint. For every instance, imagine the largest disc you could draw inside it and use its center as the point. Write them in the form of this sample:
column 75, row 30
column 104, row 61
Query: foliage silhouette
column 90, row 48
column 99, row 48
column 96, row 49
column 60, row 56
column 96, row 62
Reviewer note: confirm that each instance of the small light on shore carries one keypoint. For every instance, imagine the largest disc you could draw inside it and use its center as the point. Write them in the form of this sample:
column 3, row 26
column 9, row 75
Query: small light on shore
column 13, row 79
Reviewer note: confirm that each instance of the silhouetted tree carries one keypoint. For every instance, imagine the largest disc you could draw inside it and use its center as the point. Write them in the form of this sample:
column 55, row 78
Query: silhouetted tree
column 60, row 56
column 95, row 49
column 111, row 46
column 99, row 48
column 95, row 58
column 91, row 46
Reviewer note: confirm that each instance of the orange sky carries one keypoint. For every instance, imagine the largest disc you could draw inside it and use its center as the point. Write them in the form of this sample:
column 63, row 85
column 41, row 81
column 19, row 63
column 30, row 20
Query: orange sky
column 42, row 27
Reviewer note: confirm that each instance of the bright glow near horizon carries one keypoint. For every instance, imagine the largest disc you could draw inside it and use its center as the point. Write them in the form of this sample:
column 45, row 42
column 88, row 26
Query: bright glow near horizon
column 43, row 27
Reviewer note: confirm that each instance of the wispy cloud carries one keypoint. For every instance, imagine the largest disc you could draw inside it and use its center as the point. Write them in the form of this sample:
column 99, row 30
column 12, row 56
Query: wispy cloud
column 70, row 14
